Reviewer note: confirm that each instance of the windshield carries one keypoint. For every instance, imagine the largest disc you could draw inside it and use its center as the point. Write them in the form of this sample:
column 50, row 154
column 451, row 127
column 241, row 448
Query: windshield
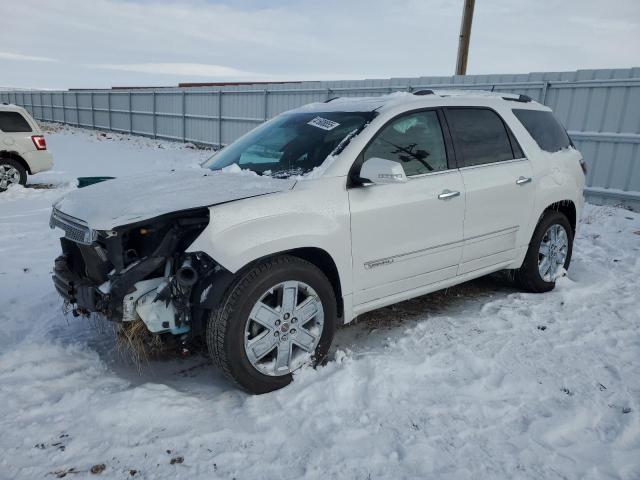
column 290, row 144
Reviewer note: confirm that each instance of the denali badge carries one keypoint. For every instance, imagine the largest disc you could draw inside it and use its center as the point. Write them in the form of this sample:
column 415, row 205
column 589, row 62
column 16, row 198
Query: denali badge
column 378, row 263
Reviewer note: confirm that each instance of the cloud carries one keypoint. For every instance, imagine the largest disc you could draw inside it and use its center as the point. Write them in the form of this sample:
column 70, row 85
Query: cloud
column 219, row 72
column 193, row 69
column 25, row 58
column 103, row 43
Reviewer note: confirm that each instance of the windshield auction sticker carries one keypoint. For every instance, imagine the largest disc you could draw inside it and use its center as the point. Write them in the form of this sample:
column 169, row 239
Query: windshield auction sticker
column 323, row 123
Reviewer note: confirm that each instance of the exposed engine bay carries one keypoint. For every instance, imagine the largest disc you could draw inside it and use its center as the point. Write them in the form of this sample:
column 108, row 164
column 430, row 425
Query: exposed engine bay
column 136, row 272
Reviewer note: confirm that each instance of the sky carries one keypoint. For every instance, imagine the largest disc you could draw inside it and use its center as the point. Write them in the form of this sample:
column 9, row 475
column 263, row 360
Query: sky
column 102, row 43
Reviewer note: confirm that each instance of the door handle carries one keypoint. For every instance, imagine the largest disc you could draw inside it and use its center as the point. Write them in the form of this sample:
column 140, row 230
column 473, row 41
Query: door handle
column 523, row 180
column 447, row 194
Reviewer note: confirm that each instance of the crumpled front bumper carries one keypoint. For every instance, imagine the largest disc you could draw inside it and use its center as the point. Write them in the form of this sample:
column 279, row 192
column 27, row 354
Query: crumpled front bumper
column 79, row 292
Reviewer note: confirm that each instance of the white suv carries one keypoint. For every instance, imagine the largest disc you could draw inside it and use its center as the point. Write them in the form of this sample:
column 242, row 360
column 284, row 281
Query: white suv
column 320, row 215
column 23, row 149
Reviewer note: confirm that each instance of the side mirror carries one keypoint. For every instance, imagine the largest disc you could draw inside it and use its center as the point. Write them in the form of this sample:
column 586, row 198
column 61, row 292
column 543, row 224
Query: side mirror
column 381, row 172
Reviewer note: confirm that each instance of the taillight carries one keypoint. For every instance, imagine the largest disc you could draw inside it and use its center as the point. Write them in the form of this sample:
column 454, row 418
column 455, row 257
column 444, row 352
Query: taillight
column 583, row 164
column 39, row 142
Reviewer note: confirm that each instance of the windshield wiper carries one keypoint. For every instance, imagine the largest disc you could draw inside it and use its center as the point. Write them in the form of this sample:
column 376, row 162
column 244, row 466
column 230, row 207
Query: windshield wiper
column 285, row 173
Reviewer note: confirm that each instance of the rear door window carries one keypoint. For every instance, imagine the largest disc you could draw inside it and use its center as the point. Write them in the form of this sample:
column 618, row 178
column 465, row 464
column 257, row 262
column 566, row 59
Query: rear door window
column 13, row 122
column 548, row 133
column 480, row 136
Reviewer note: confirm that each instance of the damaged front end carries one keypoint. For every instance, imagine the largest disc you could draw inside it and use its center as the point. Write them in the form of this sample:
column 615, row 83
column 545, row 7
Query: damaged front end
column 138, row 272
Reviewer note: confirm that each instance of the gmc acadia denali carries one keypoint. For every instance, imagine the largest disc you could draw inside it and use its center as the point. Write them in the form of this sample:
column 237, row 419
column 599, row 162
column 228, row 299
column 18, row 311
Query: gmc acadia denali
column 319, row 215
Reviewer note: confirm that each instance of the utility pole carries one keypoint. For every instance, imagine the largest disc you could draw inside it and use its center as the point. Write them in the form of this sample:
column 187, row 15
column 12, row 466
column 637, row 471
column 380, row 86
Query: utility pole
column 465, row 37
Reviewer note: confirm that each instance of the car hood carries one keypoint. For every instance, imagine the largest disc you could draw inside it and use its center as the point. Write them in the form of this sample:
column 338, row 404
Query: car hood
column 127, row 200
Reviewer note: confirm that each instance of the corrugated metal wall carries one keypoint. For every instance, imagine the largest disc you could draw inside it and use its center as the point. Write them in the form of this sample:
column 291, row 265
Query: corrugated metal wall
column 600, row 109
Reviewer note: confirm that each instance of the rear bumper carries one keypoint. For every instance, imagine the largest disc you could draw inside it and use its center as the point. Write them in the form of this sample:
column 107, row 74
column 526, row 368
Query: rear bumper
column 38, row 160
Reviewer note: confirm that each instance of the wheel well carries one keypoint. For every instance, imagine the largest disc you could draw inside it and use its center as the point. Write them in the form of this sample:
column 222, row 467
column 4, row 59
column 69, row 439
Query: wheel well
column 17, row 158
column 324, row 262
column 223, row 279
column 568, row 209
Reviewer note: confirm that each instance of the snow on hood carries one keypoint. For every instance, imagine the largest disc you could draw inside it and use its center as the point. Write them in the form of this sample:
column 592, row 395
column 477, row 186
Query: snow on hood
column 126, row 200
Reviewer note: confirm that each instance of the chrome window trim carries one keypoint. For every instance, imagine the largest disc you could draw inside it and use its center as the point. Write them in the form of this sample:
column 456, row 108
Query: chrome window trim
column 513, row 160
column 470, row 167
column 422, row 175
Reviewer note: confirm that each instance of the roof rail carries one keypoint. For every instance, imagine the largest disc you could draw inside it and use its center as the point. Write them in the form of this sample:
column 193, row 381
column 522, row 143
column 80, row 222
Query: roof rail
column 474, row 92
column 519, row 98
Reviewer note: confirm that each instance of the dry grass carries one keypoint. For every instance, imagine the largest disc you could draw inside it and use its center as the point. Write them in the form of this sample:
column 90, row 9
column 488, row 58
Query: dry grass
column 136, row 344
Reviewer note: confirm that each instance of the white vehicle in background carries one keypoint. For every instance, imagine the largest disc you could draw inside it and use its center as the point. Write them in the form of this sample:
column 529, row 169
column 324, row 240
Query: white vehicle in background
column 322, row 214
column 23, row 149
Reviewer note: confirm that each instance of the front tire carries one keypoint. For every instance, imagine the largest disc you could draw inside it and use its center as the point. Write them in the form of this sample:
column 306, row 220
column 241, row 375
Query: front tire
column 11, row 173
column 549, row 252
column 280, row 315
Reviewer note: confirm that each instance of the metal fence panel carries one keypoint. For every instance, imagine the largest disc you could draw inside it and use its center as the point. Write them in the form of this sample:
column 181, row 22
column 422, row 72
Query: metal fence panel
column 599, row 108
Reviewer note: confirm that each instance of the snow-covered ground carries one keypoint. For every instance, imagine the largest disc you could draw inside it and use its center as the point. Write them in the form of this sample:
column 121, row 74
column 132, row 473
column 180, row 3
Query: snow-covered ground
column 478, row 382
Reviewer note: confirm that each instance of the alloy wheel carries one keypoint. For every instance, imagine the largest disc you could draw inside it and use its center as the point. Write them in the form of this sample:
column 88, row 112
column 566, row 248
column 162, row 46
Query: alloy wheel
column 284, row 328
column 552, row 253
column 9, row 175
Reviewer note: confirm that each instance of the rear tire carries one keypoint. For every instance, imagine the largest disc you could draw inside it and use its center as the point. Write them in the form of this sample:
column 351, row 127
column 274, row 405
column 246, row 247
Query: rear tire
column 11, row 173
column 232, row 327
column 529, row 275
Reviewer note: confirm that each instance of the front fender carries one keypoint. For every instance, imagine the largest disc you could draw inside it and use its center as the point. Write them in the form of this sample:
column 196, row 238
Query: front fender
column 311, row 216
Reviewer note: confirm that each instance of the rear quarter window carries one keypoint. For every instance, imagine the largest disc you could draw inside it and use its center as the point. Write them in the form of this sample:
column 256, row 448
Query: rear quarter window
column 548, row 133
column 13, row 122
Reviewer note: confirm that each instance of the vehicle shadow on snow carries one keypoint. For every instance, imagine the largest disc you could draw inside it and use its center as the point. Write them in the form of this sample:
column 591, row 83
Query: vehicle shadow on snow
column 42, row 186
column 373, row 328
column 196, row 374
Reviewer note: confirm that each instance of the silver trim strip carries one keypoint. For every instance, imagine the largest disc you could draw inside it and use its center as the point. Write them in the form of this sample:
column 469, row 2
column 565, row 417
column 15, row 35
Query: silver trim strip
column 479, row 238
column 68, row 218
column 389, row 260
